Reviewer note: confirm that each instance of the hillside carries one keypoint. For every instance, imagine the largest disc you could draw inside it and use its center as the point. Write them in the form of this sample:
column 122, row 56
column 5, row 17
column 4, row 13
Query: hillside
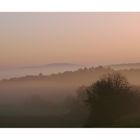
column 50, row 99
column 82, row 76
column 125, row 66
column 45, row 69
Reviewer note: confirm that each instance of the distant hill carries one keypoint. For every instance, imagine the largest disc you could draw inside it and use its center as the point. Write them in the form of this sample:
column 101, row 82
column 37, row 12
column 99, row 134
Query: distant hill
column 35, row 70
column 125, row 66
column 54, row 65
column 54, row 68
column 78, row 77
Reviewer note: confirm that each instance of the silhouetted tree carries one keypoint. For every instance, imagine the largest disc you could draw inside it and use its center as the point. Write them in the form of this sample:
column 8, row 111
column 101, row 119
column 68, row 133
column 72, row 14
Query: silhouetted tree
column 108, row 99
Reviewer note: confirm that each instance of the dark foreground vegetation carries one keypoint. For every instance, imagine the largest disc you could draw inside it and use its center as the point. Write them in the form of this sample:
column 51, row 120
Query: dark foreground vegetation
column 112, row 102
column 69, row 100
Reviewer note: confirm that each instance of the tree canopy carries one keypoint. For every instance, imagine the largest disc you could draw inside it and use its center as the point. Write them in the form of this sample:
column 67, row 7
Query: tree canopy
column 109, row 98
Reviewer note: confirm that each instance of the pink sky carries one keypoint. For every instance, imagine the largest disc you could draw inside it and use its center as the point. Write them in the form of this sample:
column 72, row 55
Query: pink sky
column 83, row 38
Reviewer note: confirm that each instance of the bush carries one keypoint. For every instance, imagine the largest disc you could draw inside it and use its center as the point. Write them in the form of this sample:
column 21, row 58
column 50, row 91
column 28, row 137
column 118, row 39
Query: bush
column 108, row 99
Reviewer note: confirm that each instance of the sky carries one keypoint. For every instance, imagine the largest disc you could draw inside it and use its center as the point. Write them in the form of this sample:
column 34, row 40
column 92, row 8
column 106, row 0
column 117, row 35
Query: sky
column 82, row 38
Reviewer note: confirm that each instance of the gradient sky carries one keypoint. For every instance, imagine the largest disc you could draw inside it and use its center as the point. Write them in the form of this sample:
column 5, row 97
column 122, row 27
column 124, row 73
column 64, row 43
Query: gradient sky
column 83, row 38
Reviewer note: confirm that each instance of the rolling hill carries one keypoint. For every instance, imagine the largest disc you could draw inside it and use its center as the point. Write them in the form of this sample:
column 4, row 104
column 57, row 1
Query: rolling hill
column 35, row 70
column 125, row 66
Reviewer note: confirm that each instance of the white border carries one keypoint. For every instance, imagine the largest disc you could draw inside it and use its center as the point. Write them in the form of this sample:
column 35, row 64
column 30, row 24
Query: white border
column 69, row 5
column 70, row 134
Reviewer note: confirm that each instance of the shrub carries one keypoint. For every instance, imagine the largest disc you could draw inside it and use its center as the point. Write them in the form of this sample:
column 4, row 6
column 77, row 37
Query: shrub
column 108, row 100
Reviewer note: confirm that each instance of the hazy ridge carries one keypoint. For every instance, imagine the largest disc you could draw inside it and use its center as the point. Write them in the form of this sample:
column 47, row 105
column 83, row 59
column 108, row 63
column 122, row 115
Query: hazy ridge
column 36, row 69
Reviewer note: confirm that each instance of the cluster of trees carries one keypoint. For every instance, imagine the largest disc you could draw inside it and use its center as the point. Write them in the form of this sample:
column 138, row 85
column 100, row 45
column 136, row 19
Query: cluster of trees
column 110, row 99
